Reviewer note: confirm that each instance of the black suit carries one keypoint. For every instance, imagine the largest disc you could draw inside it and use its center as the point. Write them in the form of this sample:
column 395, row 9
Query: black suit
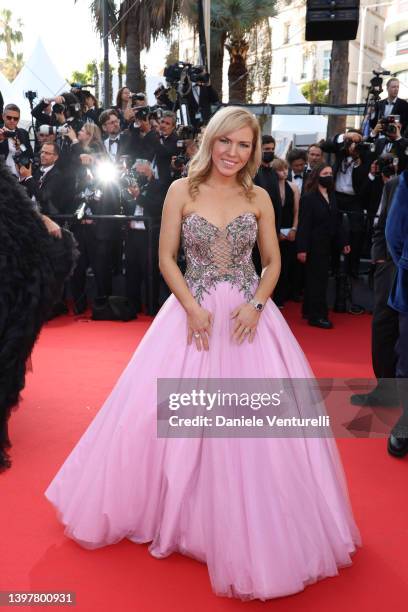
column 24, row 139
column 319, row 227
column 306, row 172
column 48, row 191
column 384, row 329
column 396, row 148
column 164, row 149
column 400, row 107
column 200, row 112
column 268, row 179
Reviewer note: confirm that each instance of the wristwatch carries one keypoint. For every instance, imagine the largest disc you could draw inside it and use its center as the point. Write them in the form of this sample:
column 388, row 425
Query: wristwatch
column 257, row 305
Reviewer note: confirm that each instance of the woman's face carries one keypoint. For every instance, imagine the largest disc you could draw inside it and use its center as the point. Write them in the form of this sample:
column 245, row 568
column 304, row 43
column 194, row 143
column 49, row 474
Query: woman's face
column 327, row 171
column 83, row 135
column 282, row 174
column 126, row 94
column 232, row 151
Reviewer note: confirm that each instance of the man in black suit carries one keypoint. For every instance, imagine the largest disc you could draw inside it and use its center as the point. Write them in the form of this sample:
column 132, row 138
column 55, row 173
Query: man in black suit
column 46, row 186
column 165, row 148
column 384, row 326
column 200, row 98
column 9, row 145
column 114, row 140
column 267, row 178
column 392, row 105
column 298, row 172
column 388, row 141
column 351, row 169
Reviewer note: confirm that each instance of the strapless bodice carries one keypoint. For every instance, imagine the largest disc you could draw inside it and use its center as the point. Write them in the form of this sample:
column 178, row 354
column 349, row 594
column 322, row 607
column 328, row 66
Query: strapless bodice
column 215, row 254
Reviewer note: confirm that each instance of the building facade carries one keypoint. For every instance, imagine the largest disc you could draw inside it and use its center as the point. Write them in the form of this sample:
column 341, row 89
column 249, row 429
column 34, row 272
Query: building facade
column 396, row 43
column 294, row 58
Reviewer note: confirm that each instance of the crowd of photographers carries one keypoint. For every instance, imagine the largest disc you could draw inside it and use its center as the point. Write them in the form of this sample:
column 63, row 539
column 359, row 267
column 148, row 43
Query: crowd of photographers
column 87, row 161
column 120, row 161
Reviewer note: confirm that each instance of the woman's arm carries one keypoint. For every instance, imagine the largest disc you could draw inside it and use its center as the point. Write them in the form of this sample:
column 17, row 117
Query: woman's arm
column 268, row 247
column 199, row 320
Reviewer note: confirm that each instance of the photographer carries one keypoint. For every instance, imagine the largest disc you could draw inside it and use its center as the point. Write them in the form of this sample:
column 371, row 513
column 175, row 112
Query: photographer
column 392, row 105
column 387, row 139
column 187, row 147
column 165, row 148
column 142, row 139
column 145, row 196
column 13, row 138
column 200, row 98
column 351, row 169
column 46, row 184
column 90, row 108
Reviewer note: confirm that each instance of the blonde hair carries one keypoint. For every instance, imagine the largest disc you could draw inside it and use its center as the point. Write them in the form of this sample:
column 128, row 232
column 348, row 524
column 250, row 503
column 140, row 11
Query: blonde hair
column 279, row 164
column 226, row 120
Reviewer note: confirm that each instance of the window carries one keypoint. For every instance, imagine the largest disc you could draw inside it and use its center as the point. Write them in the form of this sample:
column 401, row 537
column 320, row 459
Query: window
column 304, row 67
column 375, row 36
column 286, row 33
column 285, row 69
column 326, row 64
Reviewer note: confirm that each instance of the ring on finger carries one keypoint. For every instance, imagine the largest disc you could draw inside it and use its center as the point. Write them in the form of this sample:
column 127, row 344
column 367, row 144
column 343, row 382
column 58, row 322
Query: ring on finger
column 247, row 331
column 197, row 335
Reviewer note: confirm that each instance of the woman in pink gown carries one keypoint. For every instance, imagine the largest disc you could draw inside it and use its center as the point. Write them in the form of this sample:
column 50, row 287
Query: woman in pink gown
column 267, row 515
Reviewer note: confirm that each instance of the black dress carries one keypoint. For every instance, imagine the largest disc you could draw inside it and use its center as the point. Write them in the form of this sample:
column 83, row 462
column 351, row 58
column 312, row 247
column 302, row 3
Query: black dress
column 33, row 267
column 285, row 286
column 319, row 230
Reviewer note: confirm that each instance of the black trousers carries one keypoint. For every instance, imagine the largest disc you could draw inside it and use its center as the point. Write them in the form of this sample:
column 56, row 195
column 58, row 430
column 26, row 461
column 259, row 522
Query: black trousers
column 285, row 287
column 142, row 269
column 94, row 252
column 136, row 254
column 316, row 281
column 351, row 204
column 384, row 328
column 401, row 427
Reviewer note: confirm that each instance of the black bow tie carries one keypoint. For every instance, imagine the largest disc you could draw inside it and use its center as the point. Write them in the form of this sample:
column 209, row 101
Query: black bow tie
column 297, row 176
column 111, row 142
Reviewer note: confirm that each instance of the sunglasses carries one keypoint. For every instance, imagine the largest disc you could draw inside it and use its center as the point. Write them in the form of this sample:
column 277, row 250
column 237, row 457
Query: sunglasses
column 12, row 118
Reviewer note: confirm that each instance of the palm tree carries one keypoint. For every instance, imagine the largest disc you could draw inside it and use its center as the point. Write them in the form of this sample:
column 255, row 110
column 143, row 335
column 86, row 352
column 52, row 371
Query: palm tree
column 232, row 22
column 135, row 28
column 13, row 62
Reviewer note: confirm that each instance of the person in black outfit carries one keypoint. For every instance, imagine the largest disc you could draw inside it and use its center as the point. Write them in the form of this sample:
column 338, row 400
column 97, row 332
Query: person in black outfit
column 319, row 226
column 384, row 326
column 392, row 105
column 286, row 287
column 267, row 178
column 199, row 100
column 351, row 169
column 390, row 142
column 298, row 173
column 9, row 145
column 142, row 271
column 165, row 148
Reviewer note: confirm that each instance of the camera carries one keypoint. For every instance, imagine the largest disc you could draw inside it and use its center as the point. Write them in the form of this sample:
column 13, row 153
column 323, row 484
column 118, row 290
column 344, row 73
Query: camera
column 388, row 124
column 175, row 72
column 9, row 133
column 47, row 130
column 22, row 157
column 30, row 95
column 141, row 112
column 364, row 147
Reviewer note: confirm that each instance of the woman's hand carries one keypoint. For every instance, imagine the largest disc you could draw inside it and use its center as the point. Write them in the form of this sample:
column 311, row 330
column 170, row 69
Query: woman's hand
column 86, row 159
column 347, row 249
column 302, row 257
column 199, row 323
column 52, row 227
column 246, row 319
column 71, row 134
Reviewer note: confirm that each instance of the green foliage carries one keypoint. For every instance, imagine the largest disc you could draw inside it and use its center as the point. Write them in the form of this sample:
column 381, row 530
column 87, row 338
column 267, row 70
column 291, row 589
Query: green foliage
column 12, row 63
column 315, row 91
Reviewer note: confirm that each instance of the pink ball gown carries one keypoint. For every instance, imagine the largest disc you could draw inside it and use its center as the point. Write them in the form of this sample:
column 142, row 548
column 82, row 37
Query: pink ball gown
column 267, row 515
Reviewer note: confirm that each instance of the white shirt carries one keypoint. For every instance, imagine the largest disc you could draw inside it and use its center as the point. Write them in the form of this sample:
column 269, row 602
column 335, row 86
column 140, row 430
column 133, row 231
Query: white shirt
column 10, row 161
column 112, row 150
column 344, row 178
column 138, row 224
column 45, row 170
column 389, row 106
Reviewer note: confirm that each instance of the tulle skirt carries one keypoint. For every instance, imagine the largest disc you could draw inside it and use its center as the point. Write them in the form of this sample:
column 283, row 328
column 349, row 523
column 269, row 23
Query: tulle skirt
column 267, row 515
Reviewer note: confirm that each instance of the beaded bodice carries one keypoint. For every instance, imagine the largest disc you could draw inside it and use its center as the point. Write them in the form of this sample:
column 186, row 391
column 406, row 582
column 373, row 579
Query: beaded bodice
column 215, row 254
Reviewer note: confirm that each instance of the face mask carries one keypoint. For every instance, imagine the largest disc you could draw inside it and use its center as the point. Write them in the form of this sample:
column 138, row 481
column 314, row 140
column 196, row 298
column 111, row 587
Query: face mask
column 326, row 181
column 268, row 156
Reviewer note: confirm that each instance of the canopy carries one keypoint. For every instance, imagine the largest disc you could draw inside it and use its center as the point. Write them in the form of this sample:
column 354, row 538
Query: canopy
column 297, row 124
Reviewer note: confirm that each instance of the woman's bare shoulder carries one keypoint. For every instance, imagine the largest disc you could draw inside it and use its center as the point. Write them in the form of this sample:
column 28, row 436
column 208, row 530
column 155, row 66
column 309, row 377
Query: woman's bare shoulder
column 179, row 186
column 262, row 199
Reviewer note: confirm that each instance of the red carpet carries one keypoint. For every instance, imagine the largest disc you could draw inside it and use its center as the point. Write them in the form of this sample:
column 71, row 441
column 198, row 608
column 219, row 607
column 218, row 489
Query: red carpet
column 76, row 363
